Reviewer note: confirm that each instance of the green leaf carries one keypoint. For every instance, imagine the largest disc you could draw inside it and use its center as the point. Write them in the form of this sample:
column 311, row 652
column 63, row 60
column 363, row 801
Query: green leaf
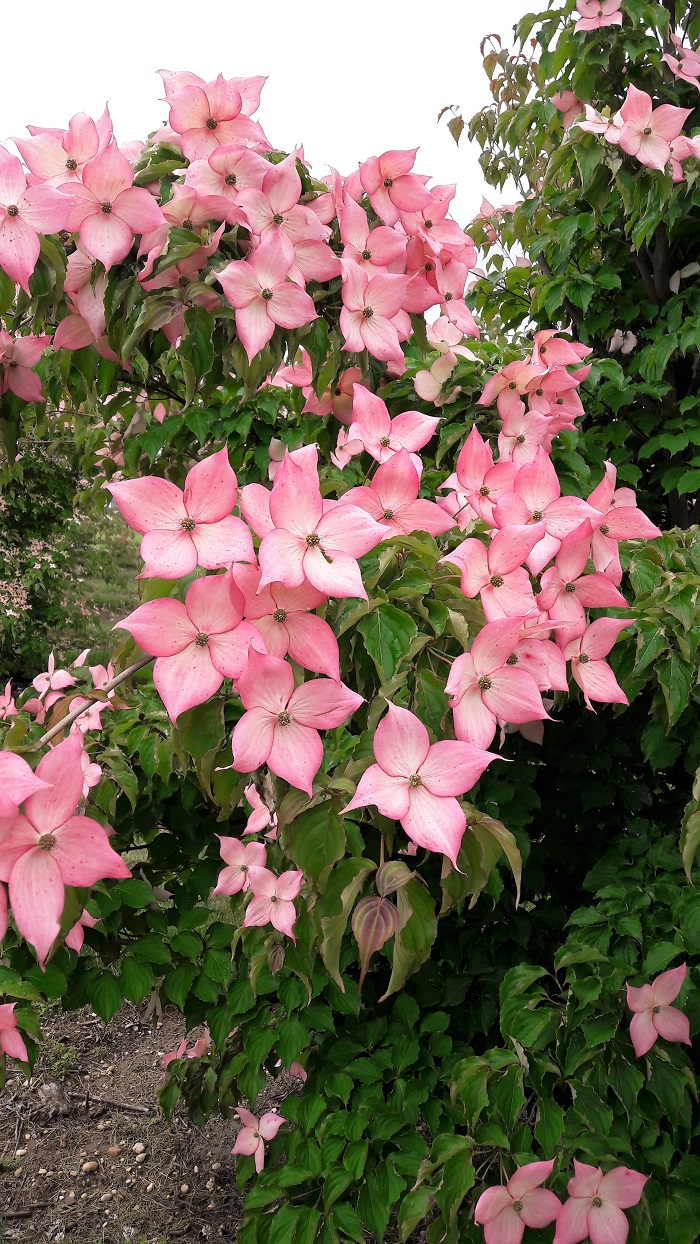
column 51, row 982
column 690, row 837
column 387, row 633
column 135, row 893
column 335, row 1183
column 105, row 996
column 187, row 944
column 413, row 1209
column 136, row 980
column 415, row 935
column 315, row 840
column 177, row 984
column 150, row 949
column 355, row 1156
column 549, row 1125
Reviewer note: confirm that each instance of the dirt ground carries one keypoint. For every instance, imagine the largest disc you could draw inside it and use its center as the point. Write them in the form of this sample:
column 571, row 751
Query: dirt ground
column 104, row 1173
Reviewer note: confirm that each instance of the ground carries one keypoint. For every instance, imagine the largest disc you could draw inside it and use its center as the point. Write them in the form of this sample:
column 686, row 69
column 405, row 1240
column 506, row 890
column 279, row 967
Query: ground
column 98, row 1174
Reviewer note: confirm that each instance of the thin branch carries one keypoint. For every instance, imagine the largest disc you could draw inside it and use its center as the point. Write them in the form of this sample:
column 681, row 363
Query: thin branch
column 76, row 713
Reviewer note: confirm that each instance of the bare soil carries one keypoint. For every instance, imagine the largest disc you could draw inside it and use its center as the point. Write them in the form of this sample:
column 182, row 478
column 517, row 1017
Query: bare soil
column 77, row 1169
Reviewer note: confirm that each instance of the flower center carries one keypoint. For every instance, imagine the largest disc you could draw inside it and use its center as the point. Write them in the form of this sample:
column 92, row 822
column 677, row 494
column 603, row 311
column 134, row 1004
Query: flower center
column 512, row 385
column 448, row 296
column 71, row 164
column 569, row 587
column 366, row 254
column 313, row 540
column 284, row 718
column 536, row 515
column 512, row 659
column 428, row 266
column 484, row 683
column 211, row 123
column 648, row 130
column 47, row 842
column 604, row 530
column 187, row 524
column 385, row 442
column 520, row 440
column 415, row 780
column 106, row 209
column 496, row 580
column 428, row 224
column 484, row 491
column 367, row 312
column 388, row 182
column 183, row 282
column 655, row 1010
column 12, row 210
column 230, row 179
column 597, row 1202
column 559, row 401
column 267, row 294
column 187, row 224
column 278, row 219
column 279, row 615
column 539, row 392
column 584, row 658
column 201, row 639
column 517, row 1206
column 388, row 514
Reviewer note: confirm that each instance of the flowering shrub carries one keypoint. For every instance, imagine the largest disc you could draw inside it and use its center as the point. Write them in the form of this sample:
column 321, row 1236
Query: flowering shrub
column 367, row 642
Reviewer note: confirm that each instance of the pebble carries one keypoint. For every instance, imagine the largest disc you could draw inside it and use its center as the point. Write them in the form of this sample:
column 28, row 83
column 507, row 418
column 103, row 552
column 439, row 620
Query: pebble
column 184, row 1189
column 106, row 1196
column 140, row 1157
column 19, row 1153
column 70, row 1197
column 150, row 1187
column 216, row 1166
column 87, row 1167
column 114, row 1151
column 139, row 1147
column 72, row 1174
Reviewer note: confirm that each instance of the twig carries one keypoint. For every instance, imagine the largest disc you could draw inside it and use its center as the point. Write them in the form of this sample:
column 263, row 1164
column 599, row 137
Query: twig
column 26, row 1212
column 73, row 716
column 109, row 1101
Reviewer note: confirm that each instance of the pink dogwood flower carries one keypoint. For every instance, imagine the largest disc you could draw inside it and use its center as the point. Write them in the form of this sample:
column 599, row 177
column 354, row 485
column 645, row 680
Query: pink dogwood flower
column 25, row 212
column 648, row 131
column 416, row 783
column 370, row 305
column 18, row 355
column 509, row 385
column 586, row 654
column 58, row 157
column 653, row 1014
column 621, row 520
column 239, row 857
column 567, row 590
column 478, row 483
column 569, row 106
column 603, row 123
column 227, row 171
column 505, row 1212
column 392, row 498
column 261, row 816
column 85, row 325
column 686, row 65
column 596, row 14
column 391, row 186
column 197, row 644
column 272, row 901
column 283, row 617
column 184, row 529
column 11, row 1042
column 109, row 209
column 274, row 209
column 595, row 1205
column 76, row 936
column 536, row 498
column 374, row 249
column 486, row 689
column 310, row 544
column 49, row 848
column 281, row 725
column 8, row 708
column 207, row 115
column 52, row 680
column 382, row 436
column 496, row 574
column 17, row 783
column 252, row 1136
column 263, row 297
column 522, row 434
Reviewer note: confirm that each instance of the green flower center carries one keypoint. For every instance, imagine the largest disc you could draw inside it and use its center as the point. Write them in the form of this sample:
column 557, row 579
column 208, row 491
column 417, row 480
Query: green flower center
column 187, row 524
column 12, row 210
column 230, row 179
column 569, row 587
column 106, row 209
column 267, row 294
column 484, row 683
column 415, row 780
column 313, row 540
column 211, row 123
column 388, row 514
column 366, row 254
column 284, row 719
column 71, row 164
column 47, row 842
column 584, row 658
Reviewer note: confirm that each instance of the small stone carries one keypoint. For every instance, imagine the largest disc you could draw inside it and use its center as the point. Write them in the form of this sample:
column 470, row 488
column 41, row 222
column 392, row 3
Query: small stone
column 111, row 1069
column 196, row 1170
column 87, row 1167
column 139, row 1147
column 184, row 1189
column 114, row 1151
column 216, row 1166
column 72, row 1174
column 140, row 1157
column 83, row 1196
column 19, row 1153
column 70, row 1197
column 210, row 1185
column 150, row 1187
column 106, row 1196
column 19, row 1172
column 42, row 1170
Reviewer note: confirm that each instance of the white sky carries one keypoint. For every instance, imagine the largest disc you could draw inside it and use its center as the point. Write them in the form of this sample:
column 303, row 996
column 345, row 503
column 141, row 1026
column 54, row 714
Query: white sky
column 348, row 80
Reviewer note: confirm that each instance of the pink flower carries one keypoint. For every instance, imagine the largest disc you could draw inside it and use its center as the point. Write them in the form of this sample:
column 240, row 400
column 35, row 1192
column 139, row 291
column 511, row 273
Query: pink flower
column 602, row 123
column 504, row 1213
column 263, row 297
column 207, row 115
column 282, row 616
column 49, row 848
column 450, row 280
column 273, row 900
column 281, row 726
column 17, row 783
column 311, row 544
column 201, row 1046
column 25, row 212
column 685, row 66
column 92, row 772
column 593, row 675
column 252, row 1136
column 85, row 325
column 598, row 13
column 478, row 484
column 486, row 689
column 417, row 784
column 521, row 436
column 508, row 385
column 18, row 355
column 567, row 103
column 567, row 591
column 391, row 186
column 11, row 1042
column 374, row 249
column 76, row 936
column 197, row 644
column 392, row 498
column 8, row 708
column 274, row 210
column 370, row 305
column 52, row 680
column 239, row 857
column 382, row 436
column 182, row 530
column 620, row 520
column 261, row 816
column 654, row 1016
column 595, row 1205
column 58, row 157
column 495, row 573
column 648, row 131
column 536, row 498
column 227, row 171
column 109, row 209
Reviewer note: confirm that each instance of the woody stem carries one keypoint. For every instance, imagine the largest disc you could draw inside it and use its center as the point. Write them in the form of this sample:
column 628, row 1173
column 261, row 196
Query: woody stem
column 71, row 717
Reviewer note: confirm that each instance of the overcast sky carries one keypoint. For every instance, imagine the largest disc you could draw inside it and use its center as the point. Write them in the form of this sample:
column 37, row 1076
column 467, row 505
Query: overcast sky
column 348, row 80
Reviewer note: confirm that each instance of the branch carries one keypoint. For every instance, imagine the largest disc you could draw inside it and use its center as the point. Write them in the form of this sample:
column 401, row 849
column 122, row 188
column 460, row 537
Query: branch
column 647, row 279
column 76, row 713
